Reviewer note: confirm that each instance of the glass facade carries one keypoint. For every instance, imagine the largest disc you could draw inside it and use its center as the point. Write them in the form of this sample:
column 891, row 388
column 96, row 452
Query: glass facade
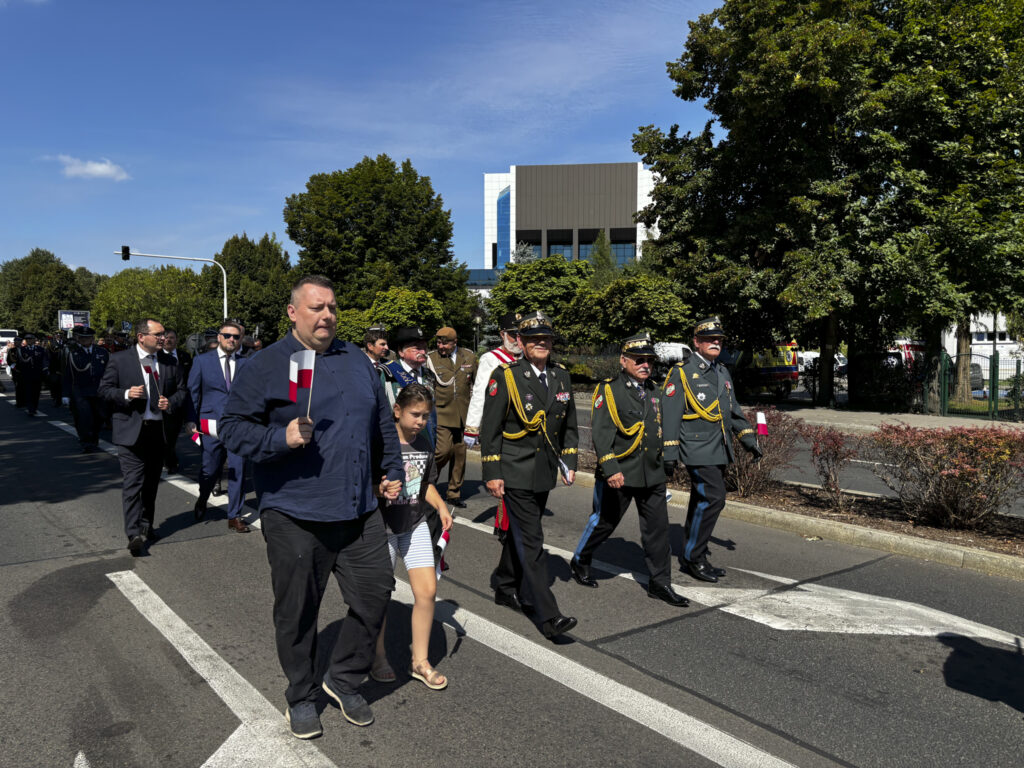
column 504, row 227
column 563, row 250
column 585, row 252
column 623, row 253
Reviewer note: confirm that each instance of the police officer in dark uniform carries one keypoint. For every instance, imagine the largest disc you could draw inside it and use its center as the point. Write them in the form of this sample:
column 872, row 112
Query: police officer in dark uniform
column 701, row 415
column 527, row 437
column 626, row 428
column 32, row 364
column 83, row 368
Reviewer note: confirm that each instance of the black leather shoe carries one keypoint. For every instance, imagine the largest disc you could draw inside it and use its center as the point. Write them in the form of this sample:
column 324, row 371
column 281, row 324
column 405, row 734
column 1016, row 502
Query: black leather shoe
column 199, row 510
column 581, row 574
column 558, row 626
column 667, row 594
column 218, row 490
column 719, row 572
column 135, row 545
column 699, row 571
column 151, row 536
column 457, row 503
column 509, row 600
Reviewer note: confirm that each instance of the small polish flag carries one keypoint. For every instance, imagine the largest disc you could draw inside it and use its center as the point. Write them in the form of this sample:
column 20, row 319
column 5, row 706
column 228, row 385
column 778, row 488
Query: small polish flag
column 208, row 427
column 441, row 544
column 300, row 372
column 762, row 424
column 197, row 439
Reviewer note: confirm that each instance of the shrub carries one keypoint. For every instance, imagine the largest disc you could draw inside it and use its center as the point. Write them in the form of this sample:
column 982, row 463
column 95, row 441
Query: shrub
column 831, row 452
column 581, row 371
column 953, row 478
column 747, row 476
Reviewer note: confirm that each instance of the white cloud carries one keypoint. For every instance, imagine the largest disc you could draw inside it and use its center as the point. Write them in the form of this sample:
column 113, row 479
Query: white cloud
column 26, row 2
column 92, row 169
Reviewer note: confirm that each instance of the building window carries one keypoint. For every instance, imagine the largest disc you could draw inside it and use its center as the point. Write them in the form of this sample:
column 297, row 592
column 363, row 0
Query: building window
column 624, row 253
column 585, row 251
column 561, row 250
column 504, row 227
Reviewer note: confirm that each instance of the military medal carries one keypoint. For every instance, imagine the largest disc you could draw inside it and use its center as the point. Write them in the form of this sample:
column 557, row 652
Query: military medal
column 701, row 396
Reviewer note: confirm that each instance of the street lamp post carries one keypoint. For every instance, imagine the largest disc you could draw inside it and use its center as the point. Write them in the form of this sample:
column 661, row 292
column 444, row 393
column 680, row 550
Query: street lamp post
column 126, row 253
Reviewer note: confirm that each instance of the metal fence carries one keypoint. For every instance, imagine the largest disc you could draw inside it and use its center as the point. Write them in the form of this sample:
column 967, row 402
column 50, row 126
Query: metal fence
column 988, row 387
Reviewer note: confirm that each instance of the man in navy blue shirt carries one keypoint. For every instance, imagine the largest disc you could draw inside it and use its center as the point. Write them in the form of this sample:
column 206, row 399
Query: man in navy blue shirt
column 316, row 486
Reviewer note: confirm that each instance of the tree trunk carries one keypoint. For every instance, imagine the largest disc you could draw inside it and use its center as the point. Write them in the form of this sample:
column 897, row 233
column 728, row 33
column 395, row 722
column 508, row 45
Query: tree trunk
column 933, row 362
column 826, row 363
column 962, row 387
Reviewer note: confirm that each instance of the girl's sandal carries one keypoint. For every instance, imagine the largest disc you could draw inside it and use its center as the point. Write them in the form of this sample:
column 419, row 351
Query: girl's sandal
column 429, row 676
column 382, row 672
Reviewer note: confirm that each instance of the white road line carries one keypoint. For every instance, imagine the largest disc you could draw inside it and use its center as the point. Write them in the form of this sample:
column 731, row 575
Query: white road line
column 683, row 729
column 263, row 738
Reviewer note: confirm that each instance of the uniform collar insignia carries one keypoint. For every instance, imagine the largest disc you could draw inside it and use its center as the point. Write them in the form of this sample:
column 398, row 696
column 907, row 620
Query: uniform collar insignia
column 702, row 366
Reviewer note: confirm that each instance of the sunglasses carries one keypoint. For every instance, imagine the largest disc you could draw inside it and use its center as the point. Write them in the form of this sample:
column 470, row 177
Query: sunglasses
column 642, row 360
column 231, row 335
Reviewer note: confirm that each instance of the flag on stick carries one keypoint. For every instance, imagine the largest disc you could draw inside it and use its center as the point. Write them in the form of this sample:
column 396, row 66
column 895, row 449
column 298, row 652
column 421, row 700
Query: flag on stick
column 208, row 427
column 300, row 372
column 762, row 424
column 197, row 439
column 441, row 544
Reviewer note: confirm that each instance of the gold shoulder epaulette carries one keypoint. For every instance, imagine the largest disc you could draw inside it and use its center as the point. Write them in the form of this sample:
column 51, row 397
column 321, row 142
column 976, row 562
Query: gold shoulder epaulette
column 559, row 365
column 506, row 365
column 609, row 380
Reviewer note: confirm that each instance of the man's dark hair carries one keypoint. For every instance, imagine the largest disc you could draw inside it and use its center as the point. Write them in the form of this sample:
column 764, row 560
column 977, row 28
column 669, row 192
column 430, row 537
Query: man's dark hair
column 142, row 326
column 374, row 334
column 230, row 322
column 320, row 281
column 170, row 330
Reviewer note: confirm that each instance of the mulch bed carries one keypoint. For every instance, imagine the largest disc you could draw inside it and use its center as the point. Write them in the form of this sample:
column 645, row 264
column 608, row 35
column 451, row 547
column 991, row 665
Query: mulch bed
column 1001, row 534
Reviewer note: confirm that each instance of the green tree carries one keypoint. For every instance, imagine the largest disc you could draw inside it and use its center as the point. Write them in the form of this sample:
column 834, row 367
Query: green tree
column 171, row 295
column 871, row 158
column 352, row 325
column 376, row 226
column 401, row 306
column 601, row 259
column 550, row 285
column 523, row 253
column 642, row 302
column 34, row 288
column 88, row 285
column 258, row 282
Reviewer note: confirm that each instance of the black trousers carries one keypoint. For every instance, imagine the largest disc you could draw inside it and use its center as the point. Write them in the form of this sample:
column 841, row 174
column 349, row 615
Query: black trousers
column 88, row 414
column 174, row 425
column 610, row 504
column 707, row 500
column 26, row 392
column 302, row 556
column 523, row 559
column 141, row 465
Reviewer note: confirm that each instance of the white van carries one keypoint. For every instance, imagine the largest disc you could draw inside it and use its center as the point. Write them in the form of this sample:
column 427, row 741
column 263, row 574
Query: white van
column 7, row 335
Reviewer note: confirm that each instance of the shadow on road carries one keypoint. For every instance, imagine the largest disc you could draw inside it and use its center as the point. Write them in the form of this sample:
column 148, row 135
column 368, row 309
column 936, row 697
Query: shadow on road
column 993, row 674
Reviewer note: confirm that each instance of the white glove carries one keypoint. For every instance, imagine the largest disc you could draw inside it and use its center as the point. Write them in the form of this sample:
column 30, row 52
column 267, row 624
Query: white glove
column 469, row 440
column 65, row 401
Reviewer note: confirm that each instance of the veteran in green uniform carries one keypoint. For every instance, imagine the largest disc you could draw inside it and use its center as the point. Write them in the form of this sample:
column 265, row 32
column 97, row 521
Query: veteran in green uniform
column 527, row 438
column 700, row 415
column 626, row 426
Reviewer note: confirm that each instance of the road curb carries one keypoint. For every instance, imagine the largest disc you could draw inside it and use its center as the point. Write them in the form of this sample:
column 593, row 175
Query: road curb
column 980, row 560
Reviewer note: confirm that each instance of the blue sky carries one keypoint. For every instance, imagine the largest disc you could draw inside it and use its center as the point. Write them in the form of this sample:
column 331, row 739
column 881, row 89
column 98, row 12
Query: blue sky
column 173, row 126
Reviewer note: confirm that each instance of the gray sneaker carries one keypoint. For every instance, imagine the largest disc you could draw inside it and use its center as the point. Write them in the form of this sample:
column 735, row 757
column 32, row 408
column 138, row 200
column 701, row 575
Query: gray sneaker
column 353, row 706
column 303, row 720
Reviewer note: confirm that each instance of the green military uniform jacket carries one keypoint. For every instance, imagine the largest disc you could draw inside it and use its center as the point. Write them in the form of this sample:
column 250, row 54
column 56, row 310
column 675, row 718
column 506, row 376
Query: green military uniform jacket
column 454, row 386
column 627, row 431
column 526, row 429
column 700, row 414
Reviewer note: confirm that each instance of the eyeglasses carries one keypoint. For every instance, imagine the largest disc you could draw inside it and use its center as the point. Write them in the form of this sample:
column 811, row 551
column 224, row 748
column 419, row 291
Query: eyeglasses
column 231, row 335
column 158, row 335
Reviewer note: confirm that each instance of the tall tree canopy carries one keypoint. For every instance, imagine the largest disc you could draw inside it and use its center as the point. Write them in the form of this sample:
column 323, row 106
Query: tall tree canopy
column 33, row 289
column 869, row 173
column 376, row 226
column 550, row 284
column 171, row 295
column 258, row 282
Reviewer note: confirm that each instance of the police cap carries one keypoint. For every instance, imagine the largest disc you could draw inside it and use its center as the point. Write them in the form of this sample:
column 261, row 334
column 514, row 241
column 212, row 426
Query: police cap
column 709, row 326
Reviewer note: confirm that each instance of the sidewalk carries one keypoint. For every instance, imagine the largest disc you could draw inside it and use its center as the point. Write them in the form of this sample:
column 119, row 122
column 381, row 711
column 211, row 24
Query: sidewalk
column 867, row 421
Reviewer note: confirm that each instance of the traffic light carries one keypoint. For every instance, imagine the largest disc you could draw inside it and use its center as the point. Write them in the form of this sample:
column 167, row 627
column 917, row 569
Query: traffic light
column 126, row 253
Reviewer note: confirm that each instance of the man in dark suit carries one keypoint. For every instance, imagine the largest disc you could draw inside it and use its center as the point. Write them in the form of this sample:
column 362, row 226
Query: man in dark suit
column 32, row 364
column 84, row 364
column 527, row 436
column 142, row 385
column 209, row 384
column 175, row 421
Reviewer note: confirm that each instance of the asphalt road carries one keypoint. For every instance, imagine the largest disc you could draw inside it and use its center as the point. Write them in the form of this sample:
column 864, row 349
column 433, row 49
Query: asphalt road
column 809, row 653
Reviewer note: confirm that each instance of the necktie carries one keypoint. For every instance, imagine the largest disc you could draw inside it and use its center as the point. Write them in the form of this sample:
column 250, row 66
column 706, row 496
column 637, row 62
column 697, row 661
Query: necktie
column 640, row 390
column 227, row 371
column 544, row 378
column 154, row 392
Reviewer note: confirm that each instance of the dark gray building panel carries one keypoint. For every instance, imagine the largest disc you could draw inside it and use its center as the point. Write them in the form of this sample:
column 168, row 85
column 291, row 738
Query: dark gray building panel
column 592, row 196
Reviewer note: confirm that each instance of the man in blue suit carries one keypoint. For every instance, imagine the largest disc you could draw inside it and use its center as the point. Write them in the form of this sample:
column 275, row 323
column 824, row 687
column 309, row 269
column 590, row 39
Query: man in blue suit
column 209, row 382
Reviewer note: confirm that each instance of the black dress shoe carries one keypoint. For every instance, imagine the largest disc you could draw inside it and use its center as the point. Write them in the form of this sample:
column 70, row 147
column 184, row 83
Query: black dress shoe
column 558, row 626
column 581, row 574
column 199, row 510
column 151, row 536
column 719, row 572
column 509, row 600
column 457, row 503
column 135, row 545
column 667, row 594
column 218, row 490
column 699, row 571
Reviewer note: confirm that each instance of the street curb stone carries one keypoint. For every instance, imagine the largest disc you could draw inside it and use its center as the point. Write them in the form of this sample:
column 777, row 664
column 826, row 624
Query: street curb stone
column 991, row 563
